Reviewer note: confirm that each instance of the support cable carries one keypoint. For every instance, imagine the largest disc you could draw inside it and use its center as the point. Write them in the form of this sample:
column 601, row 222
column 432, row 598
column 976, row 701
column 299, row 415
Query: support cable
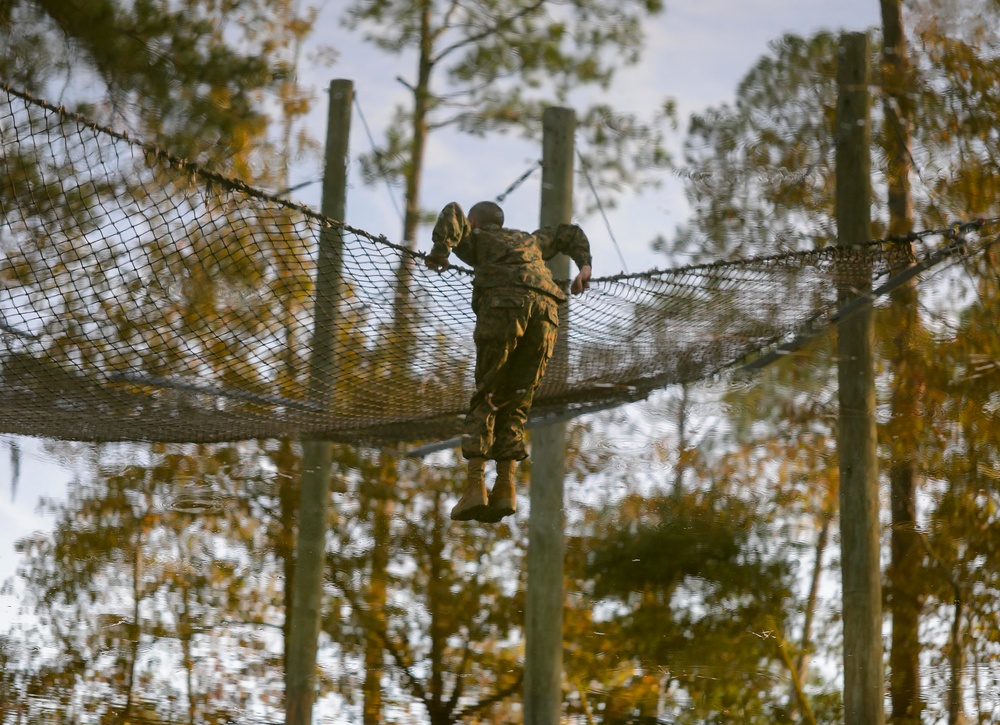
column 600, row 208
column 517, row 182
column 371, row 142
column 958, row 247
column 288, row 190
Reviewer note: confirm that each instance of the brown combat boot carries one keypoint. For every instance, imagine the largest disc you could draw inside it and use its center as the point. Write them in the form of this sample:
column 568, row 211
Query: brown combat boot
column 503, row 497
column 473, row 502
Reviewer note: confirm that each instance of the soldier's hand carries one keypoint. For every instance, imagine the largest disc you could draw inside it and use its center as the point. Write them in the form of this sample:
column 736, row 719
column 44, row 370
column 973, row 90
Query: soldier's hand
column 438, row 264
column 582, row 281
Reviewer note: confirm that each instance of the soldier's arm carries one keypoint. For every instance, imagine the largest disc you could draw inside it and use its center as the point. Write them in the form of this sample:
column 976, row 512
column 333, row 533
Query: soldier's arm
column 449, row 229
column 570, row 240
column 582, row 280
column 567, row 239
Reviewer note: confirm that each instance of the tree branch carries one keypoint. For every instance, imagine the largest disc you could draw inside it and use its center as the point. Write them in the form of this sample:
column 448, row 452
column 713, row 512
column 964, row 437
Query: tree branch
column 464, row 115
column 446, row 22
column 468, row 92
column 449, row 121
column 397, row 657
column 488, row 32
column 800, row 695
column 456, row 692
column 582, row 691
column 234, row 623
column 497, row 696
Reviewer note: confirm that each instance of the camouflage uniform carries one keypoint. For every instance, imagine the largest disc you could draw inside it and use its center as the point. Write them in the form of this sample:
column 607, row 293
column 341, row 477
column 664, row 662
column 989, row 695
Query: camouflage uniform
column 517, row 319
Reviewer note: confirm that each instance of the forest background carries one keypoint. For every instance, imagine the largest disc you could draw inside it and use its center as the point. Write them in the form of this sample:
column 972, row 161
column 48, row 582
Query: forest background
column 747, row 496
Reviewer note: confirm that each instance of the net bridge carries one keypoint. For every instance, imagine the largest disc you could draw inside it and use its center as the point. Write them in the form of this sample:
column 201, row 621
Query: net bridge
column 143, row 298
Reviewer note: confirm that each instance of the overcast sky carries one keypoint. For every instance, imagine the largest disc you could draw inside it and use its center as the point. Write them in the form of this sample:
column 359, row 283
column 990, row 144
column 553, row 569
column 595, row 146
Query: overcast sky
column 697, row 52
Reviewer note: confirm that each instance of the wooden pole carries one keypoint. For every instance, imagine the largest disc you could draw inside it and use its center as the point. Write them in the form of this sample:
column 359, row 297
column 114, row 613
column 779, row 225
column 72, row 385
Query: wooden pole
column 546, row 546
column 310, row 555
column 859, row 514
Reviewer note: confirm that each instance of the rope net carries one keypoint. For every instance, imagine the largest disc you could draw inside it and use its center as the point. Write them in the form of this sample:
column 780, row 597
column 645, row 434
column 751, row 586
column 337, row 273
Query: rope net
column 143, row 298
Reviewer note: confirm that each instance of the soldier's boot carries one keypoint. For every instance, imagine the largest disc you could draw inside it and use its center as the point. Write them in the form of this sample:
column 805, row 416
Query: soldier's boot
column 474, row 499
column 503, row 497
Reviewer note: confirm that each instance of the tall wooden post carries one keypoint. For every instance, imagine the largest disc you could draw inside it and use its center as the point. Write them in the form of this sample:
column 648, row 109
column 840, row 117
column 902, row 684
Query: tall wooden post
column 310, row 555
column 546, row 546
column 856, row 445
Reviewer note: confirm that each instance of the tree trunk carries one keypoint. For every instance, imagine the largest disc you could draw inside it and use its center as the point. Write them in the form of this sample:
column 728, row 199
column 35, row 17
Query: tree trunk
column 822, row 537
column 185, row 634
column 956, row 661
column 905, row 596
column 380, row 491
column 421, row 107
column 402, row 336
column 288, row 474
column 437, row 593
column 683, row 454
column 403, row 324
column 133, row 628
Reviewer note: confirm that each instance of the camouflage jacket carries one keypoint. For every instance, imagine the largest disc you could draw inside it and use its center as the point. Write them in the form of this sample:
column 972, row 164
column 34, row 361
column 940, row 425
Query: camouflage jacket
column 504, row 257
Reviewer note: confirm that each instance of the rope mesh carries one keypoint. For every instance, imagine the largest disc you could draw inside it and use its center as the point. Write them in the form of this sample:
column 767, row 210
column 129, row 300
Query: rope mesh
column 143, row 298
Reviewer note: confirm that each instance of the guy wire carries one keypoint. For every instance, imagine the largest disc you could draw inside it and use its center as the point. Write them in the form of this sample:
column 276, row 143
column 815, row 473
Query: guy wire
column 371, row 142
column 517, row 182
column 600, row 208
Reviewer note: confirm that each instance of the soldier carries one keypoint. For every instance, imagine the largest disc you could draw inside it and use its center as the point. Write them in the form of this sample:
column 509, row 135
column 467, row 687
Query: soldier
column 517, row 318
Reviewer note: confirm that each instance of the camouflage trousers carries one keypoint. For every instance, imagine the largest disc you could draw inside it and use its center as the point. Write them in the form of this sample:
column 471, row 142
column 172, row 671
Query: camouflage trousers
column 516, row 330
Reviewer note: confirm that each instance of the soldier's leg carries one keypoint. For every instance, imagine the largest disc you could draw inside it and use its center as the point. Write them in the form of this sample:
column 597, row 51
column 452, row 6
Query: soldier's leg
column 503, row 498
column 501, row 320
column 497, row 329
column 474, row 501
column 477, row 435
column 477, row 430
column 524, row 372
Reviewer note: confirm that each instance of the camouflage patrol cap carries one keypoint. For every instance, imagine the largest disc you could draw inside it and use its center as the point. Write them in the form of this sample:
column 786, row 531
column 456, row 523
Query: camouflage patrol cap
column 484, row 213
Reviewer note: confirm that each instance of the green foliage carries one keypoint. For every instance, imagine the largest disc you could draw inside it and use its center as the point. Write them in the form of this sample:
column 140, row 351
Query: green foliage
column 537, row 41
column 761, row 170
column 198, row 77
column 192, row 75
column 957, row 51
column 960, row 462
column 695, row 605
column 440, row 604
column 158, row 572
column 761, row 174
column 481, row 67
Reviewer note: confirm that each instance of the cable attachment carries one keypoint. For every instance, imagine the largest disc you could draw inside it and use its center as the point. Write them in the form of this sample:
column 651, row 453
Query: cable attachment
column 958, row 232
column 517, row 182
